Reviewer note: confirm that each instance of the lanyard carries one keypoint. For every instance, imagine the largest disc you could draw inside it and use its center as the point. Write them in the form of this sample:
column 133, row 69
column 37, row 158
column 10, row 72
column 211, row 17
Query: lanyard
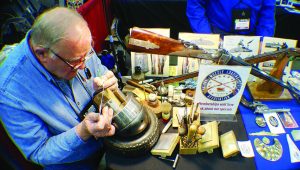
column 240, row 17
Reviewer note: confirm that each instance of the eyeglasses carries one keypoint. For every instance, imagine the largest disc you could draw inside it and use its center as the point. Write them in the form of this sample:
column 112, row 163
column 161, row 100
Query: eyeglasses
column 77, row 63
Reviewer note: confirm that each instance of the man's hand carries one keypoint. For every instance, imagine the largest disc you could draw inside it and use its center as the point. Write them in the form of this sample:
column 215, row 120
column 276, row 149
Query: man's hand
column 96, row 124
column 108, row 80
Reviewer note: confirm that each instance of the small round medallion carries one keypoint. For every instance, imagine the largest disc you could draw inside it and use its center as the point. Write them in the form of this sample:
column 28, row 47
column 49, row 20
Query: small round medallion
column 260, row 121
column 273, row 121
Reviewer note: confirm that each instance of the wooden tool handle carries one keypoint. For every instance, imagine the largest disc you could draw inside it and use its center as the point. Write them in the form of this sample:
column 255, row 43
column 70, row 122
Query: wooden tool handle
column 182, row 131
column 191, row 132
column 135, row 84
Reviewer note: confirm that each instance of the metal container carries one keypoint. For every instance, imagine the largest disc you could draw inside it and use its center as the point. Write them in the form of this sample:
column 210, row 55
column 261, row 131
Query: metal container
column 131, row 119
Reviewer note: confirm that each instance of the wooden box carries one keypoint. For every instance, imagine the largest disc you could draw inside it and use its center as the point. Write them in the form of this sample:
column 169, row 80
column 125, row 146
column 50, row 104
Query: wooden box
column 191, row 150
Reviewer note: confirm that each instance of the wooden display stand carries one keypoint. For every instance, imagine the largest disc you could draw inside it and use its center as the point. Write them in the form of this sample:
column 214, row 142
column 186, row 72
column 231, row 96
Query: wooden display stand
column 267, row 90
column 156, row 110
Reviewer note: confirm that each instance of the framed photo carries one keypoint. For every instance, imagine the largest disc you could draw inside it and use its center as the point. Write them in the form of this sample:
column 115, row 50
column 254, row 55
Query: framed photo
column 270, row 44
column 287, row 120
column 242, row 46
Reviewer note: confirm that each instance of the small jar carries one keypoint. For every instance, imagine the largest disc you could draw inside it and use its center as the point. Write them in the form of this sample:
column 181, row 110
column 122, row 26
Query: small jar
column 165, row 116
column 166, row 111
column 138, row 75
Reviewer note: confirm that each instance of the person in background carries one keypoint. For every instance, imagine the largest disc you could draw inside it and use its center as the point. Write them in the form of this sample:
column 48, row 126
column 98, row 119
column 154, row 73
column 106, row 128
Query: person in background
column 247, row 17
column 46, row 81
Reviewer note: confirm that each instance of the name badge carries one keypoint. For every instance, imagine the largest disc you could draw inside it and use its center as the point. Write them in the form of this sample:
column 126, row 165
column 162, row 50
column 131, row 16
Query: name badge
column 241, row 19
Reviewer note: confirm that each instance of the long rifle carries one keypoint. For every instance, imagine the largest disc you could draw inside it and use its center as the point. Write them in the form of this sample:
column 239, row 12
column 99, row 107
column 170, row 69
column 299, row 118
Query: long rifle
column 148, row 42
column 175, row 78
column 276, row 55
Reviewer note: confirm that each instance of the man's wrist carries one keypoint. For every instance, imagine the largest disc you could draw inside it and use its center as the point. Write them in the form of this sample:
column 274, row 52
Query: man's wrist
column 82, row 131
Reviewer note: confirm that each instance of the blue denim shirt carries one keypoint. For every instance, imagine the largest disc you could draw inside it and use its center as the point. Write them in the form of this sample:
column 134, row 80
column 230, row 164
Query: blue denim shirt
column 205, row 16
column 37, row 115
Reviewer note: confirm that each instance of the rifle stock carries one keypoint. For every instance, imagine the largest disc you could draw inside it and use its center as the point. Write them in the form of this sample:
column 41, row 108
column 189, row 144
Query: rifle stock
column 144, row 41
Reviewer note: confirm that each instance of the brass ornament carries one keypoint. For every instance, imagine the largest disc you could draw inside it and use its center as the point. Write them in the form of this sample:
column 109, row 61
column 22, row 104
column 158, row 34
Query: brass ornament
column 269, row 152
column 260, row 121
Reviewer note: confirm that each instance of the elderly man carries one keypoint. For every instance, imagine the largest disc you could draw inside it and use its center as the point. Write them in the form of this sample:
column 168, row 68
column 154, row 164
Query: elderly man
column 46, row 81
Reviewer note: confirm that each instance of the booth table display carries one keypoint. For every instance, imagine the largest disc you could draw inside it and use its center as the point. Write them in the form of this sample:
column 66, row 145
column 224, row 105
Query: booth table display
column 188, row 162
column 171, row 14
column 245, row 124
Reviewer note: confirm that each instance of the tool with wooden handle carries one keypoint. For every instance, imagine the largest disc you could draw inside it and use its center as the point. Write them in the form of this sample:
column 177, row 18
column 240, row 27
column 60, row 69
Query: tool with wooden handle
column 191, row 132
column 135, row 84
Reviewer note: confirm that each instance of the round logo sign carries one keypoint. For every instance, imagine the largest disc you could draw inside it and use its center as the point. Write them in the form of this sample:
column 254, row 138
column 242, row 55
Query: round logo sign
column 221, row 85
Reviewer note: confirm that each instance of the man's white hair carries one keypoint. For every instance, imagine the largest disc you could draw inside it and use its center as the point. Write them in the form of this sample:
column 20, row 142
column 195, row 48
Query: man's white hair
column 54, row 25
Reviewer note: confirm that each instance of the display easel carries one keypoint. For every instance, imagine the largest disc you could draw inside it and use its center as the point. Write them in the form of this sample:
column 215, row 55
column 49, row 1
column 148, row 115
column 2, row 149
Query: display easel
column 264, row 90
column 267, row 90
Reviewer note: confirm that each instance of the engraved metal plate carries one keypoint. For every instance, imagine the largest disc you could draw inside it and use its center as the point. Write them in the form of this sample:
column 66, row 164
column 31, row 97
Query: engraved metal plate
column 269, row 152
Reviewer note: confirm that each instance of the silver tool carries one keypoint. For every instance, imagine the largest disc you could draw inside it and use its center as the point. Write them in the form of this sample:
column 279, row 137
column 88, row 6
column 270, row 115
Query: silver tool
column 172, row 160
column 167, row 126
column 262, row 133
column 265, row 109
